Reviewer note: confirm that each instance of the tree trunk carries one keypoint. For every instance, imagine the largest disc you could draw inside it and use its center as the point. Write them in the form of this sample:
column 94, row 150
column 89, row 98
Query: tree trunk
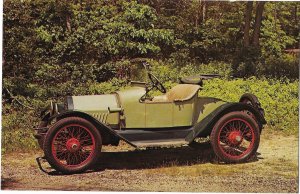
column 68, row 22
column 248, row 13
column 295, row 15
column 257, row 24
column 275, row 18
column 203, row 11
column 157, row 5
column 197, row 14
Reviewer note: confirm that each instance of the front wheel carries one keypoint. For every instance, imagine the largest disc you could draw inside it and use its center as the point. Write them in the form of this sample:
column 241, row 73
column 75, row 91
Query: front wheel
column 235, row 137
column 72, row 145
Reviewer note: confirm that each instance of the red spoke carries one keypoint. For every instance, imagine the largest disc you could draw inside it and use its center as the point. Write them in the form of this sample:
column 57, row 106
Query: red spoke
column 240, row 125
column 80, row 156
column 86, row 142
column 76, row 161
column 79, row 134
column 77, row 131
column 71, row 131
column 85, row 154
column 85, row 137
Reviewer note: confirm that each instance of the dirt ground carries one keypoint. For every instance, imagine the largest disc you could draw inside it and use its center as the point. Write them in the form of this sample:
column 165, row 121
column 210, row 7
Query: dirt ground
column 184, row 169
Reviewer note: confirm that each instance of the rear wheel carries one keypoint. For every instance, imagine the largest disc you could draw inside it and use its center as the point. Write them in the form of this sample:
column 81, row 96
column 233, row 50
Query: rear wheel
column 235, row 137
column 72, row 145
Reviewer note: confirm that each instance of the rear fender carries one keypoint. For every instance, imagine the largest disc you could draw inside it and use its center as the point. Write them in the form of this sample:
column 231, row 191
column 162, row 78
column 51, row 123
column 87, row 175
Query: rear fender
column 107, row 133
column 204, row 127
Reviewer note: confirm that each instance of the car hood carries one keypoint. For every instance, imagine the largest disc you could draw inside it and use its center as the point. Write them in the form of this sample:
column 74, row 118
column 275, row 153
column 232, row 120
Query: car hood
column 91, row 103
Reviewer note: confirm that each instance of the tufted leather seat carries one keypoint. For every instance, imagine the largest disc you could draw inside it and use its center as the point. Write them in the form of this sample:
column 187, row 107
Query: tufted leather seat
column 180, row 92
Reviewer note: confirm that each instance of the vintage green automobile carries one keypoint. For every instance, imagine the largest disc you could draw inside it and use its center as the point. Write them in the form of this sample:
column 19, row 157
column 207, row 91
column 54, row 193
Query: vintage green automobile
column 72, row 134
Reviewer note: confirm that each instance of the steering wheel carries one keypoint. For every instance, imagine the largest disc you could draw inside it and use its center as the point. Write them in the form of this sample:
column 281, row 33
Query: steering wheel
column 156, row 83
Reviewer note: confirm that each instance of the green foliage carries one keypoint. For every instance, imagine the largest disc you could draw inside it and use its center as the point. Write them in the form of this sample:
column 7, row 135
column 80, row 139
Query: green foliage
column 246, row 62
column 278, row 33
column 51, row 48
column 17, row 129
column 285, row 66
column 274, row 39
column 214, row 67
column 279, row 98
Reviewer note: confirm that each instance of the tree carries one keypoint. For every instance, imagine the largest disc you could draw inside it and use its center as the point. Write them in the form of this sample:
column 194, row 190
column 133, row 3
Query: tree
column 257, row 24
column 248, row 14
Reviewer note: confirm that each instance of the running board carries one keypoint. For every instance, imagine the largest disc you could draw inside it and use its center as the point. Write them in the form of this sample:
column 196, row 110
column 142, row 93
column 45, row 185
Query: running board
column 160, row 143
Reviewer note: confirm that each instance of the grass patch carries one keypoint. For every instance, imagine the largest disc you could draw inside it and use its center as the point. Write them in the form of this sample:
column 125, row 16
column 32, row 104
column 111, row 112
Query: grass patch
column 267, row 168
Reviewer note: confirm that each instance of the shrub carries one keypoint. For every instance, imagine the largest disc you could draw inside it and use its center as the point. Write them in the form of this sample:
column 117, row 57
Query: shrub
column 223, row 69
column 279, row 98
column 17, row 130
column 285, row 65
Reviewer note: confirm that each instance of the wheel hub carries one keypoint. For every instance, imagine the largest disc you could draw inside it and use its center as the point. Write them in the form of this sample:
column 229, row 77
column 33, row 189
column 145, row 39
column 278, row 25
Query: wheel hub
column 235, row 137
column 73, row 145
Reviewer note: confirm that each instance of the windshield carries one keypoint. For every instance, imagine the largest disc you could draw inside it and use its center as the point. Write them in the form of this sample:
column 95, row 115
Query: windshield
column 138, row 72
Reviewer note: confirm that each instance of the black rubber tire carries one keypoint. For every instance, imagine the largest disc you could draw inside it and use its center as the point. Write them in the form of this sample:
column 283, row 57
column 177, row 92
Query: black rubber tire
column 215, row 139
column 51, row 134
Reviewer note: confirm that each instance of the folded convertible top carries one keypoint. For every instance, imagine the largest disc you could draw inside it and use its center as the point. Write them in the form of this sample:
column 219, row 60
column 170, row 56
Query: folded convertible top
column 197, row 79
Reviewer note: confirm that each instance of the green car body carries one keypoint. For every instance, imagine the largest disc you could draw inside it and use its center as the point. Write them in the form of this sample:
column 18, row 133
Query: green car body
column 123, row 110
column 144, row 124
column 176, row 118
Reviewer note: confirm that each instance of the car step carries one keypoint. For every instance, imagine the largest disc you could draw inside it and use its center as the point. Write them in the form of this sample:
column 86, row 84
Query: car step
column 160, row 143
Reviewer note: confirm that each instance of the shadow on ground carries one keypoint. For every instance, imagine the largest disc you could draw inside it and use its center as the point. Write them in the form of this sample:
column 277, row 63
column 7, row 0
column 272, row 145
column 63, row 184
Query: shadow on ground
column 7, row 183
column 155, row 158
column 197, row 153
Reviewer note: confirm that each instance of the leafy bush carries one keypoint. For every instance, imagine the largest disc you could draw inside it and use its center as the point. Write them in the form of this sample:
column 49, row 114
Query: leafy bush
column 285, row 65
column 17, row 129
column 221, row 68
column 250, row 62
column 279, row 98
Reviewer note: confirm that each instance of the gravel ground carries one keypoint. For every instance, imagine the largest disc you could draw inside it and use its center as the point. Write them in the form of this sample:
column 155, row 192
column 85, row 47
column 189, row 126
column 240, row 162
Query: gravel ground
column 184, row 169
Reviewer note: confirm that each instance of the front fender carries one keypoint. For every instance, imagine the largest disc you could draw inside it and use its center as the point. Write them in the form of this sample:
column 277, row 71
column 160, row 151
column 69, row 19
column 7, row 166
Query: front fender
column 204, row 127
column 103, row 128
column 99, row 125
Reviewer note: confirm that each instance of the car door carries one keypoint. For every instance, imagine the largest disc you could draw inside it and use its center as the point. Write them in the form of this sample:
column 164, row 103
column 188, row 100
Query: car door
column 183, row 113
column 169, row 114
column 159, row 114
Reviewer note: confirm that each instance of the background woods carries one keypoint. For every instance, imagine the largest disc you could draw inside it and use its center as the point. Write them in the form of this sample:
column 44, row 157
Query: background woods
column 56, row 48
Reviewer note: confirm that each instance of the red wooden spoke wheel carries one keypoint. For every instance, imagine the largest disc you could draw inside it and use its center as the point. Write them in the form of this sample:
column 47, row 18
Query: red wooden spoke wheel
column 72, row 145
column 235, row 137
